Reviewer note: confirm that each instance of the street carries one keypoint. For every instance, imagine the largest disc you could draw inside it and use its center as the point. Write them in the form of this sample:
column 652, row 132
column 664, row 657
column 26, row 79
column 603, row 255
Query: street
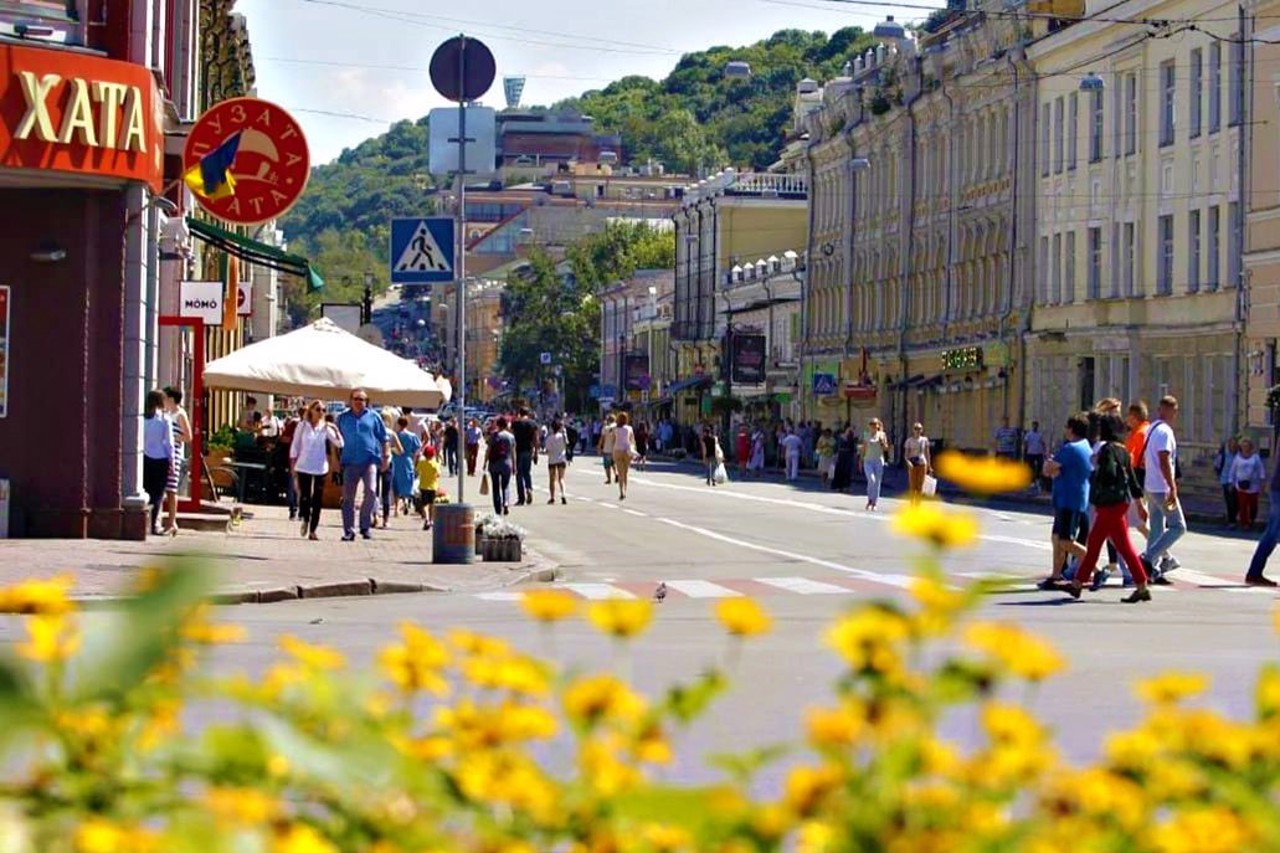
column 805, row 555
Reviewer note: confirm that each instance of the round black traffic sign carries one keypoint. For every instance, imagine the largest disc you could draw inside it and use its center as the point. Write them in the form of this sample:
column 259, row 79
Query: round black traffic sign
column 462, row 69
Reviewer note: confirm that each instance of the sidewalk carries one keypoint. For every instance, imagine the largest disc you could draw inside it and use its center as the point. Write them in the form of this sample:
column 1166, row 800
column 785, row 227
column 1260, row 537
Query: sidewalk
column 265, row 560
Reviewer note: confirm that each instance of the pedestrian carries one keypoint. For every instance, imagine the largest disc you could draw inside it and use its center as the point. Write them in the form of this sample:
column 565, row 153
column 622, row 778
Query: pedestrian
column 473, row 446
column 366, row 450
column 526, row 434
column 498, row 459
column 1007, row 440
column 1138, row 420
column 605, row 446
column 642, row 445
column 1070, row 469
column 1105, row 407
column 404, row 466
column 181, row 438
column 1222, row 465
column 919, row 462
column 1033, row 451
column 875, row 449
column 285, row 448
column 1112, row 486
column 846, row 458
column 792, row 447
column 309, row 459
column 558, row 446
column 826, row 449
column 1270, row 535
column 1167, row 523
column 451, row 446
column 428, row 471
column 624, row 445
column 572, row 435
column 1247, row 474
column 712, row 454
column 386, row 484
column 158, row 454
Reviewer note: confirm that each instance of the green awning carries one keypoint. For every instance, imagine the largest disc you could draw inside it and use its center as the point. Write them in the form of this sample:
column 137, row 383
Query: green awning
column 253, row 252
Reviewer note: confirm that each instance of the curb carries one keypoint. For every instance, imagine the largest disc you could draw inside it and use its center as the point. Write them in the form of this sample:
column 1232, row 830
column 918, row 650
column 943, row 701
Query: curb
column 273, row 595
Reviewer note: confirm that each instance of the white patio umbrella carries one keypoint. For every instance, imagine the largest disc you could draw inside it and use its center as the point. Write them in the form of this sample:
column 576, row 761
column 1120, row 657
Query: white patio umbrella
column 323, row 360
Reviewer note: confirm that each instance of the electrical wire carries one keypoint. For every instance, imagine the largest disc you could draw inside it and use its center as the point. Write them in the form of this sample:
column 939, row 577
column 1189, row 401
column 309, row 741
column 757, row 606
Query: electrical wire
column 1100, row 16
column 378, row 67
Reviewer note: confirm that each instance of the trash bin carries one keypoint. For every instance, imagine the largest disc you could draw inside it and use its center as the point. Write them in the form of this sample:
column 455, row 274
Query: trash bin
column 453, row 540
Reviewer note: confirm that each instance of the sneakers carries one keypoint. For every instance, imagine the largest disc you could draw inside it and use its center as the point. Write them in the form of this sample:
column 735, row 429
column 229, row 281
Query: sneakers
column 1169, row 564
column 1099, row 579
column 348, row 537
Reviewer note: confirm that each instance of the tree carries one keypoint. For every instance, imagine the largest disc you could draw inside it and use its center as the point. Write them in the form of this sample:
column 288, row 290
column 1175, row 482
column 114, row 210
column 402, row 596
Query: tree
column 342, row 258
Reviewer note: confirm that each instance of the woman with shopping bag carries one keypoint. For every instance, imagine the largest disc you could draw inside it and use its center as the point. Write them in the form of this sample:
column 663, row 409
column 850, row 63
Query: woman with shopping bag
column 919, row 465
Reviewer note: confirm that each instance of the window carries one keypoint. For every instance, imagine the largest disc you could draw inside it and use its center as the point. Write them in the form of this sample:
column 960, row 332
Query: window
column 1044, row 271
column 1045, row 129
column 1095, row 126
column 1164, row 271
column 1215, row 243
column 1117, row 110
column 1069, row 285
column 1130, row 257
column 1193, row 251
column 1130, row 113
column 1168, row 93
column 1094, row 283
column 1197, row 92
column 1059, row 134
column 1215, row 87
column 1057, row 269
column 1234, row 82
column 1236, row 221
column 1073, row 129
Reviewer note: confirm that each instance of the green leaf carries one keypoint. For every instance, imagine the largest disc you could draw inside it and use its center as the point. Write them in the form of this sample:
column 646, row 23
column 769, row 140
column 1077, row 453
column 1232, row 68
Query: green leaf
column 743, row 767
column 691, row 809
column 687, row 702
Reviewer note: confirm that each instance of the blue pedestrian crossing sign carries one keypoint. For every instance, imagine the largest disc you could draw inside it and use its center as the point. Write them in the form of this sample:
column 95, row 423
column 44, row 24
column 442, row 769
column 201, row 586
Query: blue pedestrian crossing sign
column 422, row 250
column 824, row 384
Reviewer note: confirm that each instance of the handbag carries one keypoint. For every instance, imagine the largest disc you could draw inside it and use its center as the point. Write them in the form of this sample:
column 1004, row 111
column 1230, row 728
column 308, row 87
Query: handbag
column 930, row 486
column 484, row 484
column 720, row 475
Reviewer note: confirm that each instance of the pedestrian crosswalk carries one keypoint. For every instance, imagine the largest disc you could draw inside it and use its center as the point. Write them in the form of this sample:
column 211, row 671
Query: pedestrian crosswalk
column 833, row 585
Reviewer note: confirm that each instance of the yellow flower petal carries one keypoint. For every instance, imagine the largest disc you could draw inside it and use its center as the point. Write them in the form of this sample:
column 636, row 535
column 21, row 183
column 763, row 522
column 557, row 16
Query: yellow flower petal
column 549, row 605
column 982, row 475
column 50, row 639
column 47, row 597
column 312, row 656
column 621, row 618
column 933, row 523
column 1024, row 654
column 743, row 617
column 1171, row 687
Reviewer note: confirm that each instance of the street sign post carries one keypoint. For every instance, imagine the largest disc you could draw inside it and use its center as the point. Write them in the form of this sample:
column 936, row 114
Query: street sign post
column 422, row 250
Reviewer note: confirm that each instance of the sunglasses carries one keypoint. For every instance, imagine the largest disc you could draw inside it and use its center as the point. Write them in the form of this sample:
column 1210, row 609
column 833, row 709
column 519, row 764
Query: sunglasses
column 359, row 399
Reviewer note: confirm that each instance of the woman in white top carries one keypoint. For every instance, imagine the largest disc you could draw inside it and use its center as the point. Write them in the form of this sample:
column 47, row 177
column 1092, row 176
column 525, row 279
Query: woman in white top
column 624, row 441
column 875, row 446
column 556, row 446
column 916, row 451
column 309, row 458
column 1247, row 474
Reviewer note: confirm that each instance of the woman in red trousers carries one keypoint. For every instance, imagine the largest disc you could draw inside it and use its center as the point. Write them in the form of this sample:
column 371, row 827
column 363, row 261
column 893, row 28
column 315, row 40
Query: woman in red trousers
column 1111, row 487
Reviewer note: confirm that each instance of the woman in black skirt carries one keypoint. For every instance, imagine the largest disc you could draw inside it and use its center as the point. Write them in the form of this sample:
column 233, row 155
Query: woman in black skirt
column 846, row 458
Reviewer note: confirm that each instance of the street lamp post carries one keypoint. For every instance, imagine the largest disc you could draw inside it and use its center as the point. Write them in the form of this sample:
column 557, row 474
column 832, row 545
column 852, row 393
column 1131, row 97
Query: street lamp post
column 368, row 298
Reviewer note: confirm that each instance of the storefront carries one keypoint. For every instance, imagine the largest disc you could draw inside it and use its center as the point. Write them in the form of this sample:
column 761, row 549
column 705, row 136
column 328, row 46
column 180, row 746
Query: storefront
column 82, row 155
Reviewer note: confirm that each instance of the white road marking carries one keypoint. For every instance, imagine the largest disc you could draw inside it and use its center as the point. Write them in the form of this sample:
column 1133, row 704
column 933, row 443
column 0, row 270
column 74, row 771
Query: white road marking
column 607, row 505
column 597, row 591
column 636, row 513
column 1200, row 578
column 703, row 589
column 500, row 596
column 901, row 581
column 804, row 586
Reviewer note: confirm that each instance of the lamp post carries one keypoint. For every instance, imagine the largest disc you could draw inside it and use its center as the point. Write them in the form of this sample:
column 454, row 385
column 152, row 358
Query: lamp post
column 368, row 298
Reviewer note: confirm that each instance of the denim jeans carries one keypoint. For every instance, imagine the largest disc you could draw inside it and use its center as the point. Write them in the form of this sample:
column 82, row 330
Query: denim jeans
column 500, row 486
column 1267, row 543
column 524, row 477
column 1165, row 527
column 875, row 474
column 352, row 477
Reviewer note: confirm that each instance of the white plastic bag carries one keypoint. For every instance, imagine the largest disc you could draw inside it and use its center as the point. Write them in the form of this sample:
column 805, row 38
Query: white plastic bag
column 930, row 487
column 720, row 476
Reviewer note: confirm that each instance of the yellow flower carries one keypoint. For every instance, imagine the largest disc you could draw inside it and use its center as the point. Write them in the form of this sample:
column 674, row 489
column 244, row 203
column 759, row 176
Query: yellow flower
column 241, row 806
column 549, row 605
column 940, row 527
column 982, row 475
column 815, row 837
column 47, row 597
column 311, row 656
column 742, row 617
column 619, row 617
column 939, row 603
column 1169, row 688
column 198, row 629
column 868, row 638
column 664, row 838
column 471, row 643
column 591, row 699
column 1024, row 654
column 651, row 745
column 1212, row 829
column 834, row 727
column 520, row 675
column 807, row 787
column 1267, row 692
column 416, row 664
column 50, row 639
column 604, row 771
column 300, row 838
column 99, row 835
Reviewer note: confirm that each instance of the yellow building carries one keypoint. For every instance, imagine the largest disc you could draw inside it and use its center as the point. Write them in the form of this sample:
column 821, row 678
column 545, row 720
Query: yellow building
column 917, row 290
column 724, row 220
column 1139, row 223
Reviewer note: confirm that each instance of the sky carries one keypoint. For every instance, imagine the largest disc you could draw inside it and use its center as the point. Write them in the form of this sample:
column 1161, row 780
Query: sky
column 348, row 69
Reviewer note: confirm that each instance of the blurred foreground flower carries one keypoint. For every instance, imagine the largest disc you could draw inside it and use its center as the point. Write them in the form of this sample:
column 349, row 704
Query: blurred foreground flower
column 549, row 605
column 620, row 617
column 1022, row 653
column 982, row 475
column 742, row 617
column 45, row 597
column 50, row 639
column 1169, row 688
column 940, row 527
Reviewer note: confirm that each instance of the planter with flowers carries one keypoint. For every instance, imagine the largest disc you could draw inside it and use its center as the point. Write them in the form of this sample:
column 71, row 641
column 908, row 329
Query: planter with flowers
column 498, row 540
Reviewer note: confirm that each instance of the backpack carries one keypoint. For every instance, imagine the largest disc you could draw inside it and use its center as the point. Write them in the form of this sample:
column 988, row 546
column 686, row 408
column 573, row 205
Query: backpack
column 1113, row 481
column 499, row 448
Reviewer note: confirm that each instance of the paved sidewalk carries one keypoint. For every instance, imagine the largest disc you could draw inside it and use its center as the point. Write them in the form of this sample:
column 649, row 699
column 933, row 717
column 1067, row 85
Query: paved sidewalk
column 266, row 560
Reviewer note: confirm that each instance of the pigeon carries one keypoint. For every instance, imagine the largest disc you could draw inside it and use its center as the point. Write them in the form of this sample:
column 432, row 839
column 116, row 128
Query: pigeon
column 660, row 593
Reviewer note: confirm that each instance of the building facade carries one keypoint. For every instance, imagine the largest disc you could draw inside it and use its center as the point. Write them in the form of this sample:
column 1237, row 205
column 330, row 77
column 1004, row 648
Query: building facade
column 762, row 304
column 1140, row 167
column 922, row 203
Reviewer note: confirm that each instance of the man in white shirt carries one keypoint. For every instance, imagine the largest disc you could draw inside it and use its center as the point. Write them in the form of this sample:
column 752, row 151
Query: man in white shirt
column 1033, row 450
column 1167, row 523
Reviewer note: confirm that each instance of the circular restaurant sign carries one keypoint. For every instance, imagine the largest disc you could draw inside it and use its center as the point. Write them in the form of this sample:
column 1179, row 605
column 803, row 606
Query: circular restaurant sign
column 271, row 164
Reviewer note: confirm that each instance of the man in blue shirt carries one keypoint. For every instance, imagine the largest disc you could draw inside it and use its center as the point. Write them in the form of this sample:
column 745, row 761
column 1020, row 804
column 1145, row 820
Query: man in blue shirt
column 365, row 451
column 1070, row 469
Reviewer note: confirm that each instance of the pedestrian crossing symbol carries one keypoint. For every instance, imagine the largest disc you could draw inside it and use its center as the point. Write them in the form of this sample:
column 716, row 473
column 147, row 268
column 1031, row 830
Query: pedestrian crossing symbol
column 422, row 250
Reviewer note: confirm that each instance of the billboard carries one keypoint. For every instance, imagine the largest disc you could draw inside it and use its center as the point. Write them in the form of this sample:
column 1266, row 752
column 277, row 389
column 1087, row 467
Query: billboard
column 346, row 317
column 748, row 354
column 635, row 369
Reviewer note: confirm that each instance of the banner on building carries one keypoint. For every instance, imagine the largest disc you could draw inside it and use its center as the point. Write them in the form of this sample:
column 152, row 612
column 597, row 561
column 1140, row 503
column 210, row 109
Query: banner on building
column 748, row 353
column 201, row 300
column 4, row 354
column 636, row 372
